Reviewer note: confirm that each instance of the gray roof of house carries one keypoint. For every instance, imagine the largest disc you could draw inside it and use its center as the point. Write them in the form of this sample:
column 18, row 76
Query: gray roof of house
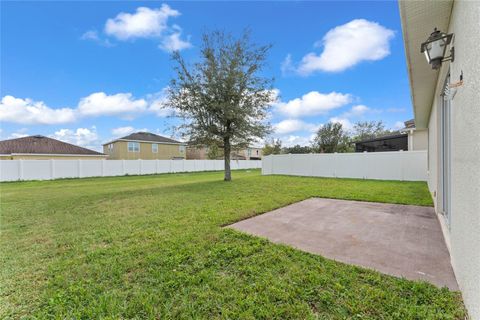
column 147, row 136
column 42, row 145
column 385, row 137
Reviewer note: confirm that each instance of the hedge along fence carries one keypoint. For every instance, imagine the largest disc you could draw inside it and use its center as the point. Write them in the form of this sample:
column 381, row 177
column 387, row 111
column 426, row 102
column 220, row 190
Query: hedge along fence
column 12, row 170
column 395, row 165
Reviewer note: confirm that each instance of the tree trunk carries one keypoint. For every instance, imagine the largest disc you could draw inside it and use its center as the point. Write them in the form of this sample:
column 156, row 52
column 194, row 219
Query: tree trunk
column 226, row 157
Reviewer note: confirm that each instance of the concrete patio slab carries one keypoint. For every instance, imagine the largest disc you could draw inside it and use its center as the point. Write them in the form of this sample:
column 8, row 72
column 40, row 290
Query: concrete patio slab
column 399, row 240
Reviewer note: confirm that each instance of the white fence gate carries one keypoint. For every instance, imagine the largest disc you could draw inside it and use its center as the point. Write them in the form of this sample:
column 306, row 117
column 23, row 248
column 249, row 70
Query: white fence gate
column 12, row 170
column 396, row 165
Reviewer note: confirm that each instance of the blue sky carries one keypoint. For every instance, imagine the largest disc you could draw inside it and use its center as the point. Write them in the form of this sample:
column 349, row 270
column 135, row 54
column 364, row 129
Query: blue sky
column 87, row 72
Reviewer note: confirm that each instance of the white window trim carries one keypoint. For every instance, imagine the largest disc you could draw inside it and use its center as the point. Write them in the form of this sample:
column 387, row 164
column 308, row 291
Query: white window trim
column 133, row 148
column 156, row 149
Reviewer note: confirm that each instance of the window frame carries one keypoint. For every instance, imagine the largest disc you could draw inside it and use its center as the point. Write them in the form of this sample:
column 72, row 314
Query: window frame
column 133, row 146
column 156, row 148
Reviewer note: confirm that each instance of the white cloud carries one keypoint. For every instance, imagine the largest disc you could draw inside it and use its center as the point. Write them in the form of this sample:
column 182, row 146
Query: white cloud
column 27, row 111
column 144, row 23
column 346, row 124
column 399, row 125
column 396, row 110
column 123, row 131
column 157, row 105
column 293, row 125
column 347, row 45
column 20, row 133
column 347, row 117
column 148, row 23
column 313, row 103
column 356, row 111
column 92, row 35
column 123, row 105
column 292, row 140
column 81, row 137
column 173, row 42
column 287, row 65
column 101, row 104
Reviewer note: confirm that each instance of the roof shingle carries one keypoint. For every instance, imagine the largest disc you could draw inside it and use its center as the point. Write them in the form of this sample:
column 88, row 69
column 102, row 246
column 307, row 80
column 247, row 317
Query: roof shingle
column 147, row 136
column 42, row 145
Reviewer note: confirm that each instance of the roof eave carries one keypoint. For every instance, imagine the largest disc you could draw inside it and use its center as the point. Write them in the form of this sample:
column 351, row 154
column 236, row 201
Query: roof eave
column 133, row 140
column 418, row 20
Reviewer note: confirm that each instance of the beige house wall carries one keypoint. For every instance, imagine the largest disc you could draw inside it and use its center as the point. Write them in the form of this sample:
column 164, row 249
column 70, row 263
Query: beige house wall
column 463, row 233
column 165, row 151
column 197, row 153
column 251, row 153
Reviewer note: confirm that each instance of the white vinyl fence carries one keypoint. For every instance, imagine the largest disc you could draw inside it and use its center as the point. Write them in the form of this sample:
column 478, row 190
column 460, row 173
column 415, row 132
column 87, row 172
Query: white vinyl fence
column 396, row 165
column 12, row 170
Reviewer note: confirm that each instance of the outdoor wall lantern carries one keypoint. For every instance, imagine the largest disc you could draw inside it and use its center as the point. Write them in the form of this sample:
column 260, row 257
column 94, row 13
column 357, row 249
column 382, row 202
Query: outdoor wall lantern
column 435, row 48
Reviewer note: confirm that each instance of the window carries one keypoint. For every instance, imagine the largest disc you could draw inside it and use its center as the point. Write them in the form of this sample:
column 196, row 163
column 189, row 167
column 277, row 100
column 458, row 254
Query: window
column 154, row 147
column 133, row 147
column 249, row 152
column 181, row 149
column 110, row 147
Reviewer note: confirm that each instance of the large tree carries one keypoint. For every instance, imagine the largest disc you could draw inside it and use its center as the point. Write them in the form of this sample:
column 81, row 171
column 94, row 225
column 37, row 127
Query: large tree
column 224, row 98
column 272, row 147
column 369, row 130
column 331, row 137
column 298, row 149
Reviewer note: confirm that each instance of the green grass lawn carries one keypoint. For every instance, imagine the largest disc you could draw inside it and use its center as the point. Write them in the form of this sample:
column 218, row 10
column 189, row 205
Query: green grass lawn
column 154, row 247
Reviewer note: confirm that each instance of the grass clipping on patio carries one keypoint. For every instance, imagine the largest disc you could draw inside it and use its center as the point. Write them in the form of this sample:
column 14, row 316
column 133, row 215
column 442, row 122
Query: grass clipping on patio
column 153, row 247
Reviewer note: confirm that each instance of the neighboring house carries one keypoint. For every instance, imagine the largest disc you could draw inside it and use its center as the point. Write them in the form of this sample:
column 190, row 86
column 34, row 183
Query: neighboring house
column 201, row 153
column 393, row 142
column 417, row 138
column 446, row 103
column 43, row 148
column 145, row 146
column 250, row 153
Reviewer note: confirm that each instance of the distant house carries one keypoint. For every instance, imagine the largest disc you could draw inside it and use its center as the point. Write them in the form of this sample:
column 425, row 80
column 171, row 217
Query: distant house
column 201, row 153
column 417, row 138
column 394, row 142
column 43, row 148
column 249, row 153
column 145, row 146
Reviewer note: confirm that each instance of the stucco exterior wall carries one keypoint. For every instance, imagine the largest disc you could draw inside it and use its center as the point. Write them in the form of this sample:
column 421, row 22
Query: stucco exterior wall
column 419, row 140
column 465, row 221
column 463, row 236
column 432, row 168
column 165, row 151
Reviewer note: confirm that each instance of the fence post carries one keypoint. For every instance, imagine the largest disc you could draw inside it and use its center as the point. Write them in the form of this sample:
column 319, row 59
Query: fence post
column 52, row 169
column 103, row 167
column 79, row 163
column 402, row 168
column 156, row 166
column 20, row 169
column 335, row 165
column 140, row 167
column 123, row 168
